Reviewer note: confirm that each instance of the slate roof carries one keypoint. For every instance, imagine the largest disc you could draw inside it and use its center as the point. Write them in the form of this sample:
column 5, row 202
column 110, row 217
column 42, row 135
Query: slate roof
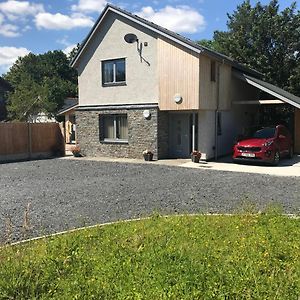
column 69, row 106
column 175, row 36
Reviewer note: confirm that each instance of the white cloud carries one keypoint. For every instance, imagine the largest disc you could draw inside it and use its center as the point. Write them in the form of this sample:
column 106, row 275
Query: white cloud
column 12, row 8
column 179, row 19
column 59, row 21
column 8, row 30
column 88, row 6
column 8, row 55
column 63, row 41
column 68, row 49
column 26, row 28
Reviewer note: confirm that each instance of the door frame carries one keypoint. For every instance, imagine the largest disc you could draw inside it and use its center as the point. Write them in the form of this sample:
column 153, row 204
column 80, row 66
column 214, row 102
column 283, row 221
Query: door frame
column 192, row 120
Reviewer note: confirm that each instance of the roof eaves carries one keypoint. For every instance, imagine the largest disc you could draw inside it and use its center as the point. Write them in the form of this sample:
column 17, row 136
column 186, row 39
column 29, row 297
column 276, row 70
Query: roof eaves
column 270, row 89
column 150, row 25
column 83, row 44
column 66, row 109
column 164, row 32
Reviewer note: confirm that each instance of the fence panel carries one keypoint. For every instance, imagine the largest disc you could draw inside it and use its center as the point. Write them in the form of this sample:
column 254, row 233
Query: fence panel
column 297, row 131
column 30, row 140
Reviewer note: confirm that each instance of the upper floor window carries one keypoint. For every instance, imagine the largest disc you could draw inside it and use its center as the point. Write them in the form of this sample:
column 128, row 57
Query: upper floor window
column 213, row 71
column 113, row 72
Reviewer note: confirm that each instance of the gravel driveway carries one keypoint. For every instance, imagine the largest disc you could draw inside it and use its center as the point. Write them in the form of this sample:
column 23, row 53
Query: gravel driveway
column 71, row 193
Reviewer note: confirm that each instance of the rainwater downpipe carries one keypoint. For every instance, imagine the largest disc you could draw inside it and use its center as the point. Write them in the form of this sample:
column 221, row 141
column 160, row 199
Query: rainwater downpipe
column 193, row 132
column 217, row 111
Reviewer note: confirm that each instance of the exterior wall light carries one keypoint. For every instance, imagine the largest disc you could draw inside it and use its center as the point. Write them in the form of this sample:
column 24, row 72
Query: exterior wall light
column 178, row 99
column 147, row 114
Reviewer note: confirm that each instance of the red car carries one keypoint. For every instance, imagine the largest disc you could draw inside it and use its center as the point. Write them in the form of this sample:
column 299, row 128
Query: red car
column 267, row 144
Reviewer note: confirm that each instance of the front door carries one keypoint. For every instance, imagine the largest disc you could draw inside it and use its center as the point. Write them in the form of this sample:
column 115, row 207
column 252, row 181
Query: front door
column 180, row 136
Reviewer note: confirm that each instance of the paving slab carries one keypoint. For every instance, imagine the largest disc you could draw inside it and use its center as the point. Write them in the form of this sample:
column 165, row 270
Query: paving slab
column 286, row 167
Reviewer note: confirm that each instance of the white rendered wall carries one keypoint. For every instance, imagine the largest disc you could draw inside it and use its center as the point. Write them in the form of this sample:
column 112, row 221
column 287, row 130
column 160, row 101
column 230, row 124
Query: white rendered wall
column 108, row 43
column 233, row 123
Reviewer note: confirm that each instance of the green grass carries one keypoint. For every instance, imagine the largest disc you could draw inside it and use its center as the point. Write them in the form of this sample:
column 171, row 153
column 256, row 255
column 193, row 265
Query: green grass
column 189, row 257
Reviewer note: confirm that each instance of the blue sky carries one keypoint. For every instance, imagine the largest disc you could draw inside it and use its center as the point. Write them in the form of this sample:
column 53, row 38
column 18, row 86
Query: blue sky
column 38, row 26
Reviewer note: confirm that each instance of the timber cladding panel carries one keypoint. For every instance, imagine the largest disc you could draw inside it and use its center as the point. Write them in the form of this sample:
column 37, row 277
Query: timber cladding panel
column 209, row 90
column 178, row 73
column 26, row 140
column 224, row 91
column 297, row 131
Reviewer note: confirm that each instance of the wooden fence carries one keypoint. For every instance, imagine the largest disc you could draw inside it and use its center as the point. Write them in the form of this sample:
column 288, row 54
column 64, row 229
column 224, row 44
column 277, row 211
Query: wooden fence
column 297, row 131
column 21, row 141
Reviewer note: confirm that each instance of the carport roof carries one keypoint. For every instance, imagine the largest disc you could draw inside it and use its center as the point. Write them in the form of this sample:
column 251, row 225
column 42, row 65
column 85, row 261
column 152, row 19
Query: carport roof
column 271, row 89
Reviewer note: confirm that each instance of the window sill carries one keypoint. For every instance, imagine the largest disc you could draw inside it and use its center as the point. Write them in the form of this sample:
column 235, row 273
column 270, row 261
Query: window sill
column 114, row 84
column 112, row 141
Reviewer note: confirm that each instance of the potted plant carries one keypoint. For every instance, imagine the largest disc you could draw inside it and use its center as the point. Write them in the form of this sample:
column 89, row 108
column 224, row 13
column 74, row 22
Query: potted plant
column 195, row 156
column 76, row 151
column 148, row 155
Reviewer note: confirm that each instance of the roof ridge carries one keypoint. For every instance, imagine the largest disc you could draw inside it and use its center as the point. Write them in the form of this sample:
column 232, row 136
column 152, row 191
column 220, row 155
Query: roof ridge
column 172, row 34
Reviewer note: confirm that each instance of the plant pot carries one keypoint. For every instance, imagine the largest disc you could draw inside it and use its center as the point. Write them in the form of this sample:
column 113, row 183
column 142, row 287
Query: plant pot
column 77, row 154
column 148, row 157
column 195, row 158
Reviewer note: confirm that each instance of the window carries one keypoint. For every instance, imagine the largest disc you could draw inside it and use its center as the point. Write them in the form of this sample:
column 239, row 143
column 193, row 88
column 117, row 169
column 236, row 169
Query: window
column 265, row 133
column 213, row 71
column 113, row 128
column 113, row 72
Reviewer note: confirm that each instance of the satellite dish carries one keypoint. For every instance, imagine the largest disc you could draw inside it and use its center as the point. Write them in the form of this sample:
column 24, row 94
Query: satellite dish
column 130, row 38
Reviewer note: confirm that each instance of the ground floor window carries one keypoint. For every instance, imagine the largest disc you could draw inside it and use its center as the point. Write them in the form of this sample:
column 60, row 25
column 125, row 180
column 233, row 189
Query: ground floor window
column 114, row 128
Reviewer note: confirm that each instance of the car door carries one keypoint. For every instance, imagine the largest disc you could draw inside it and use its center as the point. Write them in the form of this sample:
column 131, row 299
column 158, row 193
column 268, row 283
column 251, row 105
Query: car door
column 283, row 141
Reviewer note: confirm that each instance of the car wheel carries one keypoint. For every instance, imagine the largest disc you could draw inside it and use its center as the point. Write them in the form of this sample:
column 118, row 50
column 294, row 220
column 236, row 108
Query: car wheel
column 291, row 152
column 276, row 158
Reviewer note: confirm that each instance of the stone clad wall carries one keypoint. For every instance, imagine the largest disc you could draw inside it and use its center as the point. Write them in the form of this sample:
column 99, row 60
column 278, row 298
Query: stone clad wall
column 142, row 134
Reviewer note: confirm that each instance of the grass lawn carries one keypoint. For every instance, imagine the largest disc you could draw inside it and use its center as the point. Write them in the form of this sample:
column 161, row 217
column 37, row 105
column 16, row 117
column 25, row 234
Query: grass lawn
column 189, row 257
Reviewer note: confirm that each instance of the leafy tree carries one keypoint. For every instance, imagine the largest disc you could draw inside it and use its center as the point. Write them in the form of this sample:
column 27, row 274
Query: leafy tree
column 41, row 83
column 73, row 53
column 266, row 39
column 208, row 44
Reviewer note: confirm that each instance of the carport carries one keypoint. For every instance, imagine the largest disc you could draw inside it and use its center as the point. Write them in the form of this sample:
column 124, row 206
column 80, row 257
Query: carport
column 280, row 97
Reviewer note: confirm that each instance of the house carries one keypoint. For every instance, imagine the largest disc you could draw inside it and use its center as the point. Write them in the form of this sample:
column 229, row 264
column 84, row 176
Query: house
column 142, row 86
column 68, row 112
column 40, row 117
column 4, row 87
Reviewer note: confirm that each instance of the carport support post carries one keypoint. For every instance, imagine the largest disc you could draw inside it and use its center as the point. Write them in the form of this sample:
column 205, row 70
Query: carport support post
column 193, row 132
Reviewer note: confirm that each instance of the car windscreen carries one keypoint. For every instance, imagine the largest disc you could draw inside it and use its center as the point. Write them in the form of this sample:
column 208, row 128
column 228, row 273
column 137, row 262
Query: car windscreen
column 264, row 133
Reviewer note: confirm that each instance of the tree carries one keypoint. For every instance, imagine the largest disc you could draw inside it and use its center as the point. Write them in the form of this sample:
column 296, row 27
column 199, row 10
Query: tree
column 208, row 44
column 265, row 39
column 40, row 84
column 73, row 53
